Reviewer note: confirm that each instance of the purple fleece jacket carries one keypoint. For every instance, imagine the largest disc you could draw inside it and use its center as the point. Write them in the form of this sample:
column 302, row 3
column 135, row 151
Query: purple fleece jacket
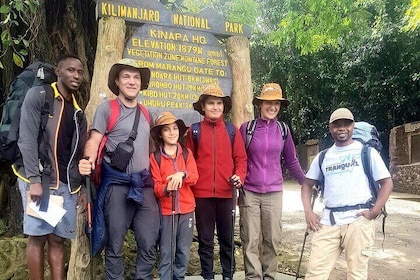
column 264, row 173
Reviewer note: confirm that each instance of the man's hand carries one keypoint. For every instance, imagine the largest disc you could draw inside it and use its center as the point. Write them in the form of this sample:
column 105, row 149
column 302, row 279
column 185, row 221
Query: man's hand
column 35, row 191
column 86, row 166
column 312, row 221
column 369, row 214
column 82, row 202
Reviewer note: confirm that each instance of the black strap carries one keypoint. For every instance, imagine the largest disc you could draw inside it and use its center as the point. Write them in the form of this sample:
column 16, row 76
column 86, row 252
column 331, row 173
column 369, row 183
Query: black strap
column 346, row 208
column 44, row 147
column 133, row 134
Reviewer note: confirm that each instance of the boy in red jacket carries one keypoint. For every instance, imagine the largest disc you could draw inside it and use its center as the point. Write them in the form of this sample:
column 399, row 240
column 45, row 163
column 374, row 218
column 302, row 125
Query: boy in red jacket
column 173, row 170
column 221, row 163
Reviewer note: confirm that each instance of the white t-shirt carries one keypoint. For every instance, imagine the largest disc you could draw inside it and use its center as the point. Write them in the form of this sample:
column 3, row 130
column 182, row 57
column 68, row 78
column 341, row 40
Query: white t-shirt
column 345, row 182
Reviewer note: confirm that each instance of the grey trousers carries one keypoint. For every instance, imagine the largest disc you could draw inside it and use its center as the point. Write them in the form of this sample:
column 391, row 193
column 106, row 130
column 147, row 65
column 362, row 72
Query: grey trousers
column 183, row 231
column 120, row 213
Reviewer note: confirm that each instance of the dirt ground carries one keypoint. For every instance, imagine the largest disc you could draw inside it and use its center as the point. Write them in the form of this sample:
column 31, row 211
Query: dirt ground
column 395, row 257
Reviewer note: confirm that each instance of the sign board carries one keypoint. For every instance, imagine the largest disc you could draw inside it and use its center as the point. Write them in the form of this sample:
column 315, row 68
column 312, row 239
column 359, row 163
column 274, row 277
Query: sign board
column 183, row 52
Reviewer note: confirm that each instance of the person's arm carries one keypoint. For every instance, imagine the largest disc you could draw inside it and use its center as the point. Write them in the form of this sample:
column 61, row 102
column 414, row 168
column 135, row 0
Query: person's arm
column 239, row 159
column 28, row 133
column 312, row 219
column 383, row 195
column 87, row 164
column 291, row 162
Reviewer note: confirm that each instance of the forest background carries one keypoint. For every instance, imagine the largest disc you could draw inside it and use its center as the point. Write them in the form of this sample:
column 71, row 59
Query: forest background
column 364, row 55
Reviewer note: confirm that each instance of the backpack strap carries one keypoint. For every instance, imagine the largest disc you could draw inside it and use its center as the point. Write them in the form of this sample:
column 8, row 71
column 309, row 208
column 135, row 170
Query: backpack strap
column 373, row 185
column 283, row 129
column 185, row 154
column 196, row 131
column 231, row 131
column 158, row 155
column 112, row 120
column 44, row 147
column 250, row 129
column 321, row 182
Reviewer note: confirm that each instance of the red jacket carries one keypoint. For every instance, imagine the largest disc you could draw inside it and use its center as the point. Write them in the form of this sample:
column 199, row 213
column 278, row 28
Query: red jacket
column 185, row 202
column 217, row 159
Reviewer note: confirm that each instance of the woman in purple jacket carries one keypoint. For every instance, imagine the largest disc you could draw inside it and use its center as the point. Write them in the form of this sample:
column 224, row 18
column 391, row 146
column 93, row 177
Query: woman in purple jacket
column 261, row 202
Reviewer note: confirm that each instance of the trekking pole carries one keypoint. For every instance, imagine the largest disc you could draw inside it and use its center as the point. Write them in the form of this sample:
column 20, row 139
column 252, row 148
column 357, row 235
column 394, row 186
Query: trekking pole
column 314, row 195
column 232, row 236
column 174, row 193
column 89, row 222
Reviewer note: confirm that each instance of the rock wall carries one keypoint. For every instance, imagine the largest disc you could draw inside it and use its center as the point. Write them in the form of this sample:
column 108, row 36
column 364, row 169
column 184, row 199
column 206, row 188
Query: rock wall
column 404, row 170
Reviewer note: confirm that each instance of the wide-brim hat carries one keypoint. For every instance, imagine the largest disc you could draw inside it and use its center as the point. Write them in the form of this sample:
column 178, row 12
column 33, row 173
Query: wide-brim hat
column 123, row 64
column 341, row 113
column 271, row 92
column 215, row 91
column 164, row 119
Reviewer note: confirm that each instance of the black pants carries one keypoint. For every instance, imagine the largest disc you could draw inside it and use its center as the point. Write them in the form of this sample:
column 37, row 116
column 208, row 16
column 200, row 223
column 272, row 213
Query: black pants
column 211, row 212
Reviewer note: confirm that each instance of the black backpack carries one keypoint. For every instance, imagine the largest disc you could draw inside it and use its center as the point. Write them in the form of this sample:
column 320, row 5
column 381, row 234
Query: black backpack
column 39, row 73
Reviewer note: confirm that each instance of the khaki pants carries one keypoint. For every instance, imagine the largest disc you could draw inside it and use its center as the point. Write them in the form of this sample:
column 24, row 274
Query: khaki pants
column 356, row 239
column 260, row 221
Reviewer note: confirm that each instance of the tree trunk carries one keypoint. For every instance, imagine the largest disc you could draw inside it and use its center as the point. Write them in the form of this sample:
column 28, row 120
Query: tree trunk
column 239, row 57
column 110, row 48
column 111, row 34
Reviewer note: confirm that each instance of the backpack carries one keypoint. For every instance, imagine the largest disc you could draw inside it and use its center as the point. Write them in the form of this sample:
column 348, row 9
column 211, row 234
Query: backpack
column 39, row 73
column 196, row 132
column 158, row 155
column 368, row 135
column 112, row 120
column 250, row 129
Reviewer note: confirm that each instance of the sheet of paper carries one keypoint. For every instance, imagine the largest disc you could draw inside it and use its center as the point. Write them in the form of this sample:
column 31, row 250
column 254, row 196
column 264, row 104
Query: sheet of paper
column 53, row 214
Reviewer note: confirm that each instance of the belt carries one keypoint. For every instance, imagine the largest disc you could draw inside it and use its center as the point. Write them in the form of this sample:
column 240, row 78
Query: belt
column 346, row 208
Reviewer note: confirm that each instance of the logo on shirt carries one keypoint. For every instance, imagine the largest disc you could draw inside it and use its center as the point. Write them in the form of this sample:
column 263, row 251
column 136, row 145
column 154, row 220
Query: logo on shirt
column 345, row 165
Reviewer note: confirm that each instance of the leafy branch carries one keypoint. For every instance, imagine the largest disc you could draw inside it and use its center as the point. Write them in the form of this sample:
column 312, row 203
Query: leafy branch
column 18, row 18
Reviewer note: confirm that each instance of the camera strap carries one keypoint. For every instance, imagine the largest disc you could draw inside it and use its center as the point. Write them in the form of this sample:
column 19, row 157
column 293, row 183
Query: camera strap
column 133, row 134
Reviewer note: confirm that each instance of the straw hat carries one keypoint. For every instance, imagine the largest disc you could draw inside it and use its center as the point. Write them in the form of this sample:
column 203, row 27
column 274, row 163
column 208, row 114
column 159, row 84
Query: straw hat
column 215, row 91
column 164, row 119
column 271, row 92
column 124, row 64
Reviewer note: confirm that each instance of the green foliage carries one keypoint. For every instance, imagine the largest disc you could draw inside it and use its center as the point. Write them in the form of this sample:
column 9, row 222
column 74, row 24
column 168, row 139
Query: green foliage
column 18, row 19
column 313, row 25
column 412, row 16
column 243, row 11
column 376, row 73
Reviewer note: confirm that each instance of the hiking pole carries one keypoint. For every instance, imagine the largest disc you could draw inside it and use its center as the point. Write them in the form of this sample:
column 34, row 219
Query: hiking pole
column 232, row 236
column 89, row 221
column 314, row 195
column 174, row 193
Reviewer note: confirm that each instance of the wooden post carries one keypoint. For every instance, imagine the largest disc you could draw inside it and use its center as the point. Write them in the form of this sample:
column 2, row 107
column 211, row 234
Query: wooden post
column 238, row 53
column 110, row 48
column 111, row 35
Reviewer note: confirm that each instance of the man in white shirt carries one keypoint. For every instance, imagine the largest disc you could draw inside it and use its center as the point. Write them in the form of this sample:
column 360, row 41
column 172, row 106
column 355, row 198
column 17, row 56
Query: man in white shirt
column 347, row 221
